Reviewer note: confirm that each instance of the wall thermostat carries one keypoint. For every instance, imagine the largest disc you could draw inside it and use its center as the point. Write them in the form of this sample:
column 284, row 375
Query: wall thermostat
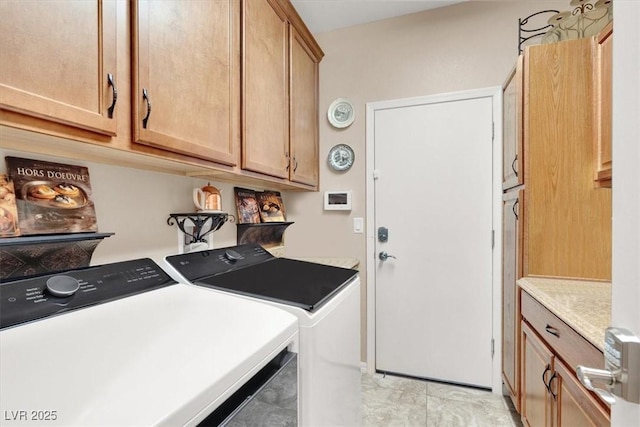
column 337, row 200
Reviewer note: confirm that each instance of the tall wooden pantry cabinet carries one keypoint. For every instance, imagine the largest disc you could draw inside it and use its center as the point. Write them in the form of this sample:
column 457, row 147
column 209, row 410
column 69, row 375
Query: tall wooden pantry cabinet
column 556, row 220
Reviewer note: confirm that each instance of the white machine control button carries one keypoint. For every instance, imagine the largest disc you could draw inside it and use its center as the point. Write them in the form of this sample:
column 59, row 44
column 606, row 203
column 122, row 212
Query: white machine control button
column 233, row 255
column 62, row 286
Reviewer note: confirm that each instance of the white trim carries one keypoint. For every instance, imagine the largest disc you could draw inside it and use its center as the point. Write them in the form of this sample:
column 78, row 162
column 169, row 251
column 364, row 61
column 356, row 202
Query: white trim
column 496, row 94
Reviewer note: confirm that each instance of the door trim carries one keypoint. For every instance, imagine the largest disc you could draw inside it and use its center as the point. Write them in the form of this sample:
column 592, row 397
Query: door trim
column 495, row 93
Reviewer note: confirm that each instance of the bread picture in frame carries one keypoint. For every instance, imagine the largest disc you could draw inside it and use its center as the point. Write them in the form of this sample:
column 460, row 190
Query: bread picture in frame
column 8, row 210
column 271, row 206
column 52, row 198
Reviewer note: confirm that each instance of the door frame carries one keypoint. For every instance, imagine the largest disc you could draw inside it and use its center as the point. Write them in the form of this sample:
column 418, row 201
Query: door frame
column 495, row 93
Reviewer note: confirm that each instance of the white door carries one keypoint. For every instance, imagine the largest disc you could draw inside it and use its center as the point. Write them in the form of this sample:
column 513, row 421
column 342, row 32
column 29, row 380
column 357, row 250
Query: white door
column 433, row 192
column 626, row 185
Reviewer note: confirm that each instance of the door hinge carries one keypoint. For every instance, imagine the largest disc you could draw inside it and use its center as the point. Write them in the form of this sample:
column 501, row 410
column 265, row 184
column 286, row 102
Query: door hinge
column 493, row 239
column 376, row 174
column 493, row 131
column 493, row 347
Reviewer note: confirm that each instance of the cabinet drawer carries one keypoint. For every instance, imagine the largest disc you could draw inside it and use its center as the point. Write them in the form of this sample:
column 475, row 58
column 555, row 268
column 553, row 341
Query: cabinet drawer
column 566, row 342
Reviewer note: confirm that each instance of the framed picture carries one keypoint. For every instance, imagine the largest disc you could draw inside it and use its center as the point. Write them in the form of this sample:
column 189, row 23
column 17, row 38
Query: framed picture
column 8, row 209
column 52, row 198
column 247, row 206
column 271, row 206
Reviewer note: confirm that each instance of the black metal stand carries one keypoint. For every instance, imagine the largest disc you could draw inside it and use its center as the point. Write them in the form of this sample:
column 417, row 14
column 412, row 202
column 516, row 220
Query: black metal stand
column 203, row 223
column 27, row 256
column 523, row 33
column 267, row 234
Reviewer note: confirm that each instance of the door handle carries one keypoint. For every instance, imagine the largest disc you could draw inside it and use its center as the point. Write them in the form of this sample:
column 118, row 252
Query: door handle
column 621, row 366
column 383, row 256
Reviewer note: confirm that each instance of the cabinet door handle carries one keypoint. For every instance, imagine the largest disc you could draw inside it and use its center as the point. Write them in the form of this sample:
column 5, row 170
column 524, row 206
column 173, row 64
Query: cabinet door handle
column 514, row 209
column 513, row 165
column 145, row 96
column 295, row 164
column 553, row 377
column 553, row 331
column 115, row 95
column 288, row 161
column 544, row 377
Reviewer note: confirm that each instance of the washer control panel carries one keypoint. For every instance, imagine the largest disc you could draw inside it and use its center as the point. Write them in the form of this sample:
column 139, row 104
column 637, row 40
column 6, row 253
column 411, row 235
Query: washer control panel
column 197, row 265
column 40, row 297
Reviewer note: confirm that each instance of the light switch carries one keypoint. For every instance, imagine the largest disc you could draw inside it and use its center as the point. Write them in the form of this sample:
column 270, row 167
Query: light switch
column 358, row 225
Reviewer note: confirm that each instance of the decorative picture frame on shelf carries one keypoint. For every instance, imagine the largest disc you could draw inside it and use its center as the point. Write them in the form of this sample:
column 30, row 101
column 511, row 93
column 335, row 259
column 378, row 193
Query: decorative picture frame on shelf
column 271, row 206
column 247, row 206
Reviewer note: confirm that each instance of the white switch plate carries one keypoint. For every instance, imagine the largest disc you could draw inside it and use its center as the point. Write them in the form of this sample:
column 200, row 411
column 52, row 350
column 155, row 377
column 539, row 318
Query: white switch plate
column 358, row 225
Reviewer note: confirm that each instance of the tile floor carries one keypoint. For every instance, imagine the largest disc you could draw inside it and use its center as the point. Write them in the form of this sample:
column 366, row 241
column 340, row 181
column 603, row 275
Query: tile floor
column 396, row 401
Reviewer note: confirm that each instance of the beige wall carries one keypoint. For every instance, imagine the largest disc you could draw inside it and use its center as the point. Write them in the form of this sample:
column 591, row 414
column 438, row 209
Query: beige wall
column 135, row 204
column 465, row 46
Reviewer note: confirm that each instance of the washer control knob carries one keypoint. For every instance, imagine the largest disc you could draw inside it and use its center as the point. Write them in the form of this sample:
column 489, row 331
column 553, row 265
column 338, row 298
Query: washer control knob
column 62, row 286
column 233, row 255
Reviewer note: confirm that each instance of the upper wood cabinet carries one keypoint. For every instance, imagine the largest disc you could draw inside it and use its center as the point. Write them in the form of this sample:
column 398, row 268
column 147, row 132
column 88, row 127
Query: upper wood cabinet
column 512, row 153
column 603, row 90
column 280, row 93
column 567, row 222
column 171, row 72
column 265, row 142
column 303, row 107
column 186, row 77
column 58, row 62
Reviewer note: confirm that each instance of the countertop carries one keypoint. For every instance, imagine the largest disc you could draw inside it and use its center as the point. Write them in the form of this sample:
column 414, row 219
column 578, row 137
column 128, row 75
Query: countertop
column 333, row 261
column 344, row 262
column 583, row 305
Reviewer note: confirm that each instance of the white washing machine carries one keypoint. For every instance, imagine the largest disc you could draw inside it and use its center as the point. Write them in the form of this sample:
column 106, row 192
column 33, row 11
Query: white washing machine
column 326, row 301
column 125, row 345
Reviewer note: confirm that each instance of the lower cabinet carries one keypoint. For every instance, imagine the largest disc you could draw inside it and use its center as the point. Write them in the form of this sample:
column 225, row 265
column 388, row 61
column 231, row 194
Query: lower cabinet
column 574, row 405
column 511, row 272
column 551, row 394
column 537, row 365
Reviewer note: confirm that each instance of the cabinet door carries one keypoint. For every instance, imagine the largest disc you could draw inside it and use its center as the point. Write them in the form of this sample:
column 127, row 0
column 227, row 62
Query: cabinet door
column 568, row 221
column 574, row 406
column 303, row 111
column 56, row 59
column 265, row 99
column 512, row 149
column 510, row 311
column 536, row 370
column 603, row 105
column 186, row 77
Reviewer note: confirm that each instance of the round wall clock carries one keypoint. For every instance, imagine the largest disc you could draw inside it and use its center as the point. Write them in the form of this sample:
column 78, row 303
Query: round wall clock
column 341, row 113
column 341, row 157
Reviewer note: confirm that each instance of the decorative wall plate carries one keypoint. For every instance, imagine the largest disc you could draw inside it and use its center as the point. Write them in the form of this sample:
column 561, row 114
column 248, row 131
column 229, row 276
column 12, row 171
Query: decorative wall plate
column 341, row 113
column 341, row 157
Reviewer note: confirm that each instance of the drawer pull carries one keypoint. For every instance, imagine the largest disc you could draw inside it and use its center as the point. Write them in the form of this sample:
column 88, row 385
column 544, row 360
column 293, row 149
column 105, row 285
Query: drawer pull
column 553, row 377
column 544, row 377
column 552, row 330
column 115, row 95
column 145, row 97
